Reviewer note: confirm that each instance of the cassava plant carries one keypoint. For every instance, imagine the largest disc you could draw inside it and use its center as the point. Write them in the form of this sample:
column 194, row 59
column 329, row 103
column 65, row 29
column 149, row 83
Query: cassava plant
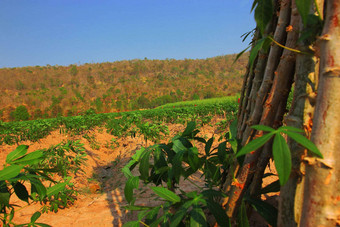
column 38, row 169
column 167, row 166
column 295, row 46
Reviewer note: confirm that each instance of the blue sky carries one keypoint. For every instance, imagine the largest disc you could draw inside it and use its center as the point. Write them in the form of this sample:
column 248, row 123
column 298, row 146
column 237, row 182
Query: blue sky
column 64, row 32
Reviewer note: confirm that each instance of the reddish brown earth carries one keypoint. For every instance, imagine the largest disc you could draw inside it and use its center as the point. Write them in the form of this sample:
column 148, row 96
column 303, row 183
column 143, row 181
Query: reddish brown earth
column 101, row 187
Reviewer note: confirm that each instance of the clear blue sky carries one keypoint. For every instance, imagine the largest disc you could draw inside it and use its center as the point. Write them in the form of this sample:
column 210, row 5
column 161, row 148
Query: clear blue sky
column 63, row 32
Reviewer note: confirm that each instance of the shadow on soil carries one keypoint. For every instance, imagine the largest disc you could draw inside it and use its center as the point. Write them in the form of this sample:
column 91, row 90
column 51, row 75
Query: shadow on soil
column 110, row 180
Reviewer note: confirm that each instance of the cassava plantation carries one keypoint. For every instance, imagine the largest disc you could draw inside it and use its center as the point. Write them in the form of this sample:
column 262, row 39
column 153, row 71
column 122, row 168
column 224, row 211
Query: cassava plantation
column 182, row 142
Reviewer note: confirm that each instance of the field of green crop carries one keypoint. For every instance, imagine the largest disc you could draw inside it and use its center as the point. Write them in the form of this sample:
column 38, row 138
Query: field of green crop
column 213, row 102
column 145, row 122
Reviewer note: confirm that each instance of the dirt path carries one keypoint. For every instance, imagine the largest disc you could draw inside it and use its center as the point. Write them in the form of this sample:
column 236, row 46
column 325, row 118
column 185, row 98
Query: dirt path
column 101, row 186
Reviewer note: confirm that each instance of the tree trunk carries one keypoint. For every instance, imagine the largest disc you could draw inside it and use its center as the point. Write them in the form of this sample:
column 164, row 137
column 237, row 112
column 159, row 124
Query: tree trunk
column 300, row 116
column 315, row 199
column 263, row 104
column 321, row 205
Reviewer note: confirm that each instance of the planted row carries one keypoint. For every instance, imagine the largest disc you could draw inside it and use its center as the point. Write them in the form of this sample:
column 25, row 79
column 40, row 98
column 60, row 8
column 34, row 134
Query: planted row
column 14, row 132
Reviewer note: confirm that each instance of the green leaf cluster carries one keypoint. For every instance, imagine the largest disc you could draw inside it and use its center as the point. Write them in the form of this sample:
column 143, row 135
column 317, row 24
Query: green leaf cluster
column 281, row 151
column 169, row 164
column 35, row 168
column 263, row 13
column 166, row 165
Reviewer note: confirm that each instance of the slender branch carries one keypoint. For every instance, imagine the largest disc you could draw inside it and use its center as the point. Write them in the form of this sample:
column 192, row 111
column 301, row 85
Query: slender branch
column 288, row 48
column 245, row 173
column 144, row 224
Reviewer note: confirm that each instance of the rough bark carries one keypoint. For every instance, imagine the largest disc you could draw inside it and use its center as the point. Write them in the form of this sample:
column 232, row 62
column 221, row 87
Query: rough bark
column 275, row 106
column 257, row 105
column 263, row 101
column 321, row 205
column 253, row 84
column 300, row 116
column 247, row 86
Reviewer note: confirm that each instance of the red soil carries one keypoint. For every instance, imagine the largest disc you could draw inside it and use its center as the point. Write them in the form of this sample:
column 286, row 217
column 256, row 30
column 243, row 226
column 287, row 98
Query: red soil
column 101, row 186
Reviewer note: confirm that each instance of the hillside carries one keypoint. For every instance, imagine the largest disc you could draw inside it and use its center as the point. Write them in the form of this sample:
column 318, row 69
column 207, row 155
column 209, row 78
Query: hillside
column 50, row 91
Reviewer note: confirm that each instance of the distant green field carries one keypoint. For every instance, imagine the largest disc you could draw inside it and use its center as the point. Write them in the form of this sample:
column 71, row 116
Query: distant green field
column 202, row 102
column 122, row 123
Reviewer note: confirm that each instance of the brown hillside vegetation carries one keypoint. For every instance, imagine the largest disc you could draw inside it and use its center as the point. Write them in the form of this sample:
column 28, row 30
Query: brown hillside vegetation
column 50, row 91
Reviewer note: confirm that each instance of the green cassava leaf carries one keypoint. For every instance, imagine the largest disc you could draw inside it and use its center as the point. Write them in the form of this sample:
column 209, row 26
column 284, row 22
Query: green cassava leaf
column 267, row 211
column 240, row 54
column 131, row 224
column 30, row 158
column 253, row 5
column 255, row 144
column 260, row 44
column 197, row 217
column 200, row 139
column 130, row 184
column 160, row 164
column 11, row 215
column 222, row 151
column 282, row 158
column 289, row 128
column 263, row 128
column 208, row 145
column 178, row 146
column 193, row 158
column 133, row 162
column 151, row 218
column 55, row 189
column 233, row 130
column 304, row 142
column 311, row 30
column 245, row 35
column 186, row 143
column 210, row 193
column 212, row 170
column 177, row 168
column 10, row 172
column 242, row 216
column 38, row 187
column 42, row 224
column 254, row 51
column 189, row 129
column 35, row 216
column 263, row 14
column 138, row 154
column 17, row 153
column 4, row 198
column 134, row 207
column 126, row 171
column 219, row 213
column 144, row 165
column 142, row 214
column 166, row 194
column 178, row 217
column 304, row 7
column 180, row 214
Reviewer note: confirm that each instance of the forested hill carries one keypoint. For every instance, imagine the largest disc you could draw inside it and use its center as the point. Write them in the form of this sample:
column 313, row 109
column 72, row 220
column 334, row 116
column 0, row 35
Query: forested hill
column 49, row 91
